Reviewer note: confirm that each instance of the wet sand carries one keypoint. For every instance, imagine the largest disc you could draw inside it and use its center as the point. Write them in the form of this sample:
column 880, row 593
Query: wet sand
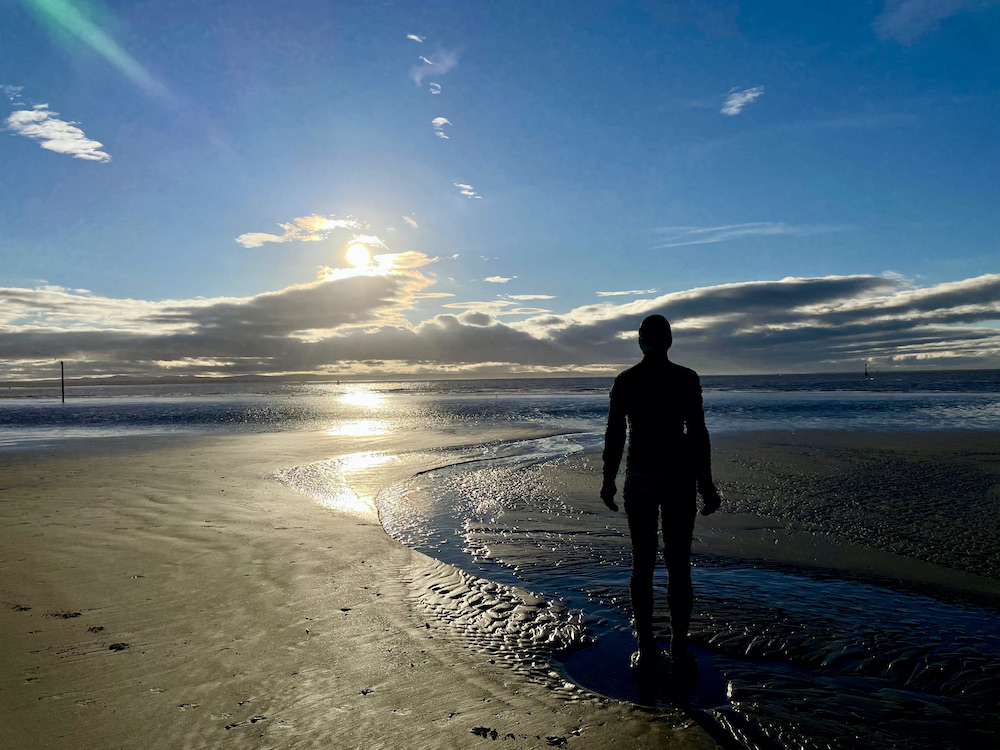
column 167, row 593
column 921, row 506
column 171, row 593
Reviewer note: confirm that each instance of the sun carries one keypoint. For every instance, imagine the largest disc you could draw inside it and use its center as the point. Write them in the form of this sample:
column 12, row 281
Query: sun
column 357, row 255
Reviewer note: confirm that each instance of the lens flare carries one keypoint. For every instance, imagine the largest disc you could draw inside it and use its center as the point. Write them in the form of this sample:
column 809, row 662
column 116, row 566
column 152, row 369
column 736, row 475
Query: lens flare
column 74, row 19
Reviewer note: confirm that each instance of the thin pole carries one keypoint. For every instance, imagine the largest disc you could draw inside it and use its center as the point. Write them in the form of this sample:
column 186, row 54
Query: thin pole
column 62, row 378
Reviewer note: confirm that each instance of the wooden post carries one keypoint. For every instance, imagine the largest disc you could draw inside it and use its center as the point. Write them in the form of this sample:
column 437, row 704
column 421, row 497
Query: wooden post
column 62, row 378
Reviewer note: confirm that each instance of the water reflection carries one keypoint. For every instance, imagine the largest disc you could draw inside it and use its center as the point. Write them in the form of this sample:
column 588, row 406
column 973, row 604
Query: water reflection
column 364, row 399
column 327, row 481
column 361, row 428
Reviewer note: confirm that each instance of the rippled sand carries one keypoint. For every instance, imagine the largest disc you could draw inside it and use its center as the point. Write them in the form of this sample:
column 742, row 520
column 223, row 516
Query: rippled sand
column 837, row 602
column 171, row 594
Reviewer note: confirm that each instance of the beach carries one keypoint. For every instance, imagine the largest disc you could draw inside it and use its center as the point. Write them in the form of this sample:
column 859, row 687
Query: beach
column 168, row 594
column 182, row 593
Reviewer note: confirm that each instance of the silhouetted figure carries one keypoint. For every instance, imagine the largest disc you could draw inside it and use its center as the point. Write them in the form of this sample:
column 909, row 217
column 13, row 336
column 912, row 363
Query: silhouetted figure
column 668, row 464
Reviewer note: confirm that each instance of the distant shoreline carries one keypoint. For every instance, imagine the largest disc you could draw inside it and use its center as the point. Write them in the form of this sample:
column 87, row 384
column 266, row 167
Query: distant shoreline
column 94, row 382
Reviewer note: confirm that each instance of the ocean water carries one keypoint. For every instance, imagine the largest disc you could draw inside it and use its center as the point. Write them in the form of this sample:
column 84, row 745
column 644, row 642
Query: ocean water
column 967, row 399
column 789, row 656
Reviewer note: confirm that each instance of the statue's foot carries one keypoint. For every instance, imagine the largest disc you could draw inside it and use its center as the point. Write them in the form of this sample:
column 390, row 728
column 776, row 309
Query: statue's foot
column 647, row 656
column 683, row 663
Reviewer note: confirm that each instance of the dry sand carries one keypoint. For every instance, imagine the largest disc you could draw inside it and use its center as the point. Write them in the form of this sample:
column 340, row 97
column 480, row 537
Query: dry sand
column 165, row 593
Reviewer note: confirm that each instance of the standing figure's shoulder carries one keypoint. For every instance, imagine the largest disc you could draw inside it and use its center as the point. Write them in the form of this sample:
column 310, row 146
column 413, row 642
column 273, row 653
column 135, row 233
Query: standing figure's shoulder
column 625, row 376
column 685, row 374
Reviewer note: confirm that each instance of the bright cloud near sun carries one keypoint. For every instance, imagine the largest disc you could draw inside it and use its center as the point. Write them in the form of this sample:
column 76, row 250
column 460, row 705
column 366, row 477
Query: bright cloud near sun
column 306, row 229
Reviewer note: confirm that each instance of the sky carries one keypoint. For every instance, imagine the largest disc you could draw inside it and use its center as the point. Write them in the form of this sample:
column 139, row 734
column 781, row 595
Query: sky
column 463, row 188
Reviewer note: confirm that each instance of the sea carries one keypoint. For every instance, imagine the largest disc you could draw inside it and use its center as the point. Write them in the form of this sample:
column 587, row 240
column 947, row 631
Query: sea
column 534, row 571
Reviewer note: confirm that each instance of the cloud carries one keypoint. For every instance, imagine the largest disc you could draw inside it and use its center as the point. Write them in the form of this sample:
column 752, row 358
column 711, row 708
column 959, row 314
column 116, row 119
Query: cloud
column 347, row 323
column 438, row 123
column 737, row 100
column 905, row 21
column 440, row 63
column 305, row 229
column 499, row 279
column 13, row 93
column 629, row 293
column 491, row 307
column 408, row 259
column 682, row 236
column 416, row 38
column 41, row 124
column 527, row 297
column 411, row 221
column 435, row 88
column 467, row 190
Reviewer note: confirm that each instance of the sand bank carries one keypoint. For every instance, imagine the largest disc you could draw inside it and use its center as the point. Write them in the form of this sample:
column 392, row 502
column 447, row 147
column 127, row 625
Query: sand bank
column 919, row 506
column 164, row 593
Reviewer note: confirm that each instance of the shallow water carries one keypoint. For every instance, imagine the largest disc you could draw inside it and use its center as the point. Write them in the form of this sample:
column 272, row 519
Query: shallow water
column 789, row 657
column 968, row 400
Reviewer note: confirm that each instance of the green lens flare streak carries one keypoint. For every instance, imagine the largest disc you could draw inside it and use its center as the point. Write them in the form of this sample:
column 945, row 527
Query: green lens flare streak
column 63, row 15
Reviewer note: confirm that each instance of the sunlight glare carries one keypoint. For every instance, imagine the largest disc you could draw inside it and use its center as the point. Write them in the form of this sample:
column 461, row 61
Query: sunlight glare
column 365, row 399
column 360, row 428
column 358, row 256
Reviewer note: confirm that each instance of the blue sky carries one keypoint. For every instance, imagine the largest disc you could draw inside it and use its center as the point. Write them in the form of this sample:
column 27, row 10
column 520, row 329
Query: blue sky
column 798, row 186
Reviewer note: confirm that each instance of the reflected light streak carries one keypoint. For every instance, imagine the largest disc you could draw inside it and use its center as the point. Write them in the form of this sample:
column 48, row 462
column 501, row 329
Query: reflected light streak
column 364, row 460
column 365, row 399
column 360, row 428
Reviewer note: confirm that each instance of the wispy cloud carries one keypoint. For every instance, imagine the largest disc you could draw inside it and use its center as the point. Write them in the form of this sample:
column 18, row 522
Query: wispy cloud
column 13, row 93
column 305, row 229
column 467, row 190
column 411, row 221
column 681, row 236
column 438, row 123
column 438, row 64
column 628, row 293
column 416, row 38
column 527, row 297
column 499, row 279
column 905, row 21
column 43, row 125
column 371, row 240
column 737, row 100
column 435, row 88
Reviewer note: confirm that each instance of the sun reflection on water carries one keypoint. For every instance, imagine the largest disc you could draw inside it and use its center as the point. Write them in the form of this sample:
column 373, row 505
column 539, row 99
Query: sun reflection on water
column 327, row 481
column 364, row 399
column 360, row 428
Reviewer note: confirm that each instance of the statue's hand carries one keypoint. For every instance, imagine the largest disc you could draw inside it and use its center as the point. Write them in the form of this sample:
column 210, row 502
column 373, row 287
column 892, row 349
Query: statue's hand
column 710, row 497
column 608, row 492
